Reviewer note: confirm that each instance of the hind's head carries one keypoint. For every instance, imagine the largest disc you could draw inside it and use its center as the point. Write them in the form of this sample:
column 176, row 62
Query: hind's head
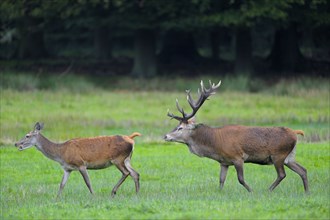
column 30, row 139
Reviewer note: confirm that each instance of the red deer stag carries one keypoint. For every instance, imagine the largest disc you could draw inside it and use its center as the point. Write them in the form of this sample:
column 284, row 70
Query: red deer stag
column 237, row 144
column 86, row 153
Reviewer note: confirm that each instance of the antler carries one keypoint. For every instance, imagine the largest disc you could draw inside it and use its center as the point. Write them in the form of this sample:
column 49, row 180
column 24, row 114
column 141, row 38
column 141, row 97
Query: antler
column 203, row 95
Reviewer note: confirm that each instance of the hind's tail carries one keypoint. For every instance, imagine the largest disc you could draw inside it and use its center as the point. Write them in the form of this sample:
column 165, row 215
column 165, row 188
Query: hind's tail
column 134, row 135
column 301, row 132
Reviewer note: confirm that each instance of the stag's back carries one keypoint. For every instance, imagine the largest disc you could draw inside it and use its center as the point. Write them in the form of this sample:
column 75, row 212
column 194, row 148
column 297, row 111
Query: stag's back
column 258, row 141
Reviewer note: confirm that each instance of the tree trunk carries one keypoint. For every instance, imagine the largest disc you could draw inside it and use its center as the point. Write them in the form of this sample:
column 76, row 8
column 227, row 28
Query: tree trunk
column 215, row 44
column 243, row 49
column 145, row 64
column 32, row 44
column 285, row 55
column 179, row 48
column 102, row 43
column 218, row 37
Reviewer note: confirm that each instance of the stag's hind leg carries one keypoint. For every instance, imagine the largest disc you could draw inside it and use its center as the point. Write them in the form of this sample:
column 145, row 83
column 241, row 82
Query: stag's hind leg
column 279, row 166
column 301, row 171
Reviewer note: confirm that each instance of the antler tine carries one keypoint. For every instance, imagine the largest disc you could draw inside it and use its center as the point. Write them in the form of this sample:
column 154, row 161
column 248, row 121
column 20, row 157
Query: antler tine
column 171, row 115
column 183, row 118
column 213, row 87
column 202, row 87
column 190, row 99
column 179, row 108
column 203, row 92
column 216, row 86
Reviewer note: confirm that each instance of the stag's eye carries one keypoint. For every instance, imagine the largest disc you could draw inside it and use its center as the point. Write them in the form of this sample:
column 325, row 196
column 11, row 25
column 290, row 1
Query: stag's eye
column 179, row 128
column 27, row 136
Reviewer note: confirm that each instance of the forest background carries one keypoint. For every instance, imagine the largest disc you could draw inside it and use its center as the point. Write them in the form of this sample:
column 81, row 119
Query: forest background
column 148, row 38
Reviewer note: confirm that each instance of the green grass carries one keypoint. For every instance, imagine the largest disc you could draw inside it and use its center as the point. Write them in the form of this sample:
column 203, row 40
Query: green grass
column 68, row 115
column 174, row 183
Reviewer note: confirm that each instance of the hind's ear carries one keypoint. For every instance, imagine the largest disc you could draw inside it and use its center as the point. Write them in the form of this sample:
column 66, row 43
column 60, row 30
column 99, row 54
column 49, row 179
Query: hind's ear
column 39, row 126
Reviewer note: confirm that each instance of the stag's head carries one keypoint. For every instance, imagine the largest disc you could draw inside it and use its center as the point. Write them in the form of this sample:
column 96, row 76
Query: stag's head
column 187, row 122
column 30, row 139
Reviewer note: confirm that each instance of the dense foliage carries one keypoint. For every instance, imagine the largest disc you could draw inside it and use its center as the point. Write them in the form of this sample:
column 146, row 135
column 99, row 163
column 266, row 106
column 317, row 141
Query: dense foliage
column 157, row 33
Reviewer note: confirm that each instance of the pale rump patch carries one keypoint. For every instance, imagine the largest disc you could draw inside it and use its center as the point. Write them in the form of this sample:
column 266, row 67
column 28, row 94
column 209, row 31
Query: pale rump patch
column 245, row 156
column 291, row 157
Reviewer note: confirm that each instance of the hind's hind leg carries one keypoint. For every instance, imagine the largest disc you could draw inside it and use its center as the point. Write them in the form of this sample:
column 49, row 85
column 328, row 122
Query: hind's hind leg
column 135, row 175
column 125, row 173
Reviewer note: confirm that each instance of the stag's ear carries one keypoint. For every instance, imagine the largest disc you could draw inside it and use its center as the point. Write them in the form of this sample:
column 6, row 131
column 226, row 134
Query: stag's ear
column 39, row 126
column 192, row 120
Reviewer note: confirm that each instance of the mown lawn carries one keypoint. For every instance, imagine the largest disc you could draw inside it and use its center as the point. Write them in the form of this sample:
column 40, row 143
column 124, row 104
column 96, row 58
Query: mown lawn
column 174, row 183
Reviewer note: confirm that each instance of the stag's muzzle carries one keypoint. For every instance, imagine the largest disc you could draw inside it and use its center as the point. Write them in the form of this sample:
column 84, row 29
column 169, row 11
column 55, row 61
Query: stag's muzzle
column 168, row 138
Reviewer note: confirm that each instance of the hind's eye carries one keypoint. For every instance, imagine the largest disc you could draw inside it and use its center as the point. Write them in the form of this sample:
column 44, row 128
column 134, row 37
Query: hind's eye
column 179, row 128
column 27, row 136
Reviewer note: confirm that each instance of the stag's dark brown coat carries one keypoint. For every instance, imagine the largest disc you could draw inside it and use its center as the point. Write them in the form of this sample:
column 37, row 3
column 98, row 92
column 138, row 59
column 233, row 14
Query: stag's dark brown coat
column 253, row 144
column 237, row 144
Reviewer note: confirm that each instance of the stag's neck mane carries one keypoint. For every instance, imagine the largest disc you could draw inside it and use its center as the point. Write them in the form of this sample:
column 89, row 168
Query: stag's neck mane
column 203, row 135
column 203, row 139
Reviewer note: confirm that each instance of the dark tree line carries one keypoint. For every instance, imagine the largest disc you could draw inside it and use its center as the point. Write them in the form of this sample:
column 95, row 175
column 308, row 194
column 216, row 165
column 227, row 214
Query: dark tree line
column 283, row 36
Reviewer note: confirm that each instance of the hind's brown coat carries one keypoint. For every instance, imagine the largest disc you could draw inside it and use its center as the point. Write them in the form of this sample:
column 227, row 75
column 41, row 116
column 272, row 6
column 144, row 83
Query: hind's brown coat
column 86, row 153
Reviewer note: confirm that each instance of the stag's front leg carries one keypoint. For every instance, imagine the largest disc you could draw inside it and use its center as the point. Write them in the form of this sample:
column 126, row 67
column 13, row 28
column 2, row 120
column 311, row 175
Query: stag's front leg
column 83, row 172
column 223, row 174
column 240, row 174
column 63, row 182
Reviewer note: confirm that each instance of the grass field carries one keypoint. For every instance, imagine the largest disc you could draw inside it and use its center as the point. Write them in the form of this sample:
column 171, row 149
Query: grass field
column 174, row 183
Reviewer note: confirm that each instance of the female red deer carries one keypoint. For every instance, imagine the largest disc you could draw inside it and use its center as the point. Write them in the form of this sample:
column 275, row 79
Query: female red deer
column 86, row 153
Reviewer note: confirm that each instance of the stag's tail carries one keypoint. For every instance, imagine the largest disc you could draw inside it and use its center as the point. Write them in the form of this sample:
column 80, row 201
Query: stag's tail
column 301, row 132
column 134, row 134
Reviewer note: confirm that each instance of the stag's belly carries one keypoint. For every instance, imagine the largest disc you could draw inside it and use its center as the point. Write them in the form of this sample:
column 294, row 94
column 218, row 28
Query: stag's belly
column 206, row 151
column 98, row 165
column 262, row 160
